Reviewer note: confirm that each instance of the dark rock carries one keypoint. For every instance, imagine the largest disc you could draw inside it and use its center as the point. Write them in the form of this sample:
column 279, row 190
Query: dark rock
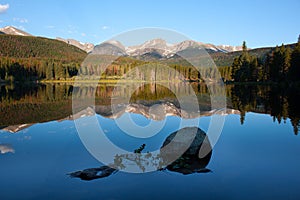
column 93, row 173
column 190, row 161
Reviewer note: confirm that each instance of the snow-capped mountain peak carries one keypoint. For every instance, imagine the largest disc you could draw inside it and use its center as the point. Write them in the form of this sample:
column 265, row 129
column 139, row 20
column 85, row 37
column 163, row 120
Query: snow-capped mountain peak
column 10, row 30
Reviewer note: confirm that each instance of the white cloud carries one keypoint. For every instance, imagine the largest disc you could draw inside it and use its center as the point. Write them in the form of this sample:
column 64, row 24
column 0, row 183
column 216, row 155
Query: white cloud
column 83, row 34
column 104, row 27
column 3, row 7
column 1, row 21
column 20, row 20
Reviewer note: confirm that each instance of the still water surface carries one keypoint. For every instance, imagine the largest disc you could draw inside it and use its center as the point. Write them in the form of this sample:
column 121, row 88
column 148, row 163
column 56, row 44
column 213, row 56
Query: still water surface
column 256, row 157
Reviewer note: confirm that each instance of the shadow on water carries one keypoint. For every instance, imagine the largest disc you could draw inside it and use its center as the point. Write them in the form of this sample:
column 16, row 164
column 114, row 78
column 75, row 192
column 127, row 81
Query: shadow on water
column 188, row 163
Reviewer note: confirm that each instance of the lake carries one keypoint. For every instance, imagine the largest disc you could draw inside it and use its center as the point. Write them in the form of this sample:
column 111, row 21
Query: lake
column 43, row 156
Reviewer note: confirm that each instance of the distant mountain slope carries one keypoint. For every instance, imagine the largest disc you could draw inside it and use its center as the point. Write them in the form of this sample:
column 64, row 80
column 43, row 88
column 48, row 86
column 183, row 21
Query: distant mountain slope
column 38, row 47
column 10, row 30
column 87, row 47
column 230, row 48
column 110, row 48
column 226, row 59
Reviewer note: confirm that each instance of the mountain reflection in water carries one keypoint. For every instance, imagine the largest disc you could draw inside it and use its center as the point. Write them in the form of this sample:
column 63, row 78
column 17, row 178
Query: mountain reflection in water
column 24, row 105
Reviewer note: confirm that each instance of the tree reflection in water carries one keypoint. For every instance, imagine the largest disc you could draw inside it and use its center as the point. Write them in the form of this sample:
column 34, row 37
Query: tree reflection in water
column 43, row 103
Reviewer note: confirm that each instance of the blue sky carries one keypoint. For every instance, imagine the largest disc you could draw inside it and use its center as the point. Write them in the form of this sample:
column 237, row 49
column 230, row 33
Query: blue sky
column 260, row 23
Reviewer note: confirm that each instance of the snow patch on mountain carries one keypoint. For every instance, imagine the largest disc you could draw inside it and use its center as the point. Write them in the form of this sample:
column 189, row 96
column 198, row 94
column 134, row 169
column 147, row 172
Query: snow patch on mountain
column 10, row 30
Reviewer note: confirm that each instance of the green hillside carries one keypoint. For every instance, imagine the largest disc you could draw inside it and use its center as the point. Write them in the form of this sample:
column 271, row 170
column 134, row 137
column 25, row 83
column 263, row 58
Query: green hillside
column 38, row 47
column 35, row 58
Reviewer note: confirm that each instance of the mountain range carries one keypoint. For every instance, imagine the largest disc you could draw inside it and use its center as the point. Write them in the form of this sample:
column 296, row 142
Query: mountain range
column 157, row 46
column 152, row 50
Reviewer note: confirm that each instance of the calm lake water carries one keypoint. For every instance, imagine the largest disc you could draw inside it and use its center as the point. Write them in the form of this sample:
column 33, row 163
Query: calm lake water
column 43, row 157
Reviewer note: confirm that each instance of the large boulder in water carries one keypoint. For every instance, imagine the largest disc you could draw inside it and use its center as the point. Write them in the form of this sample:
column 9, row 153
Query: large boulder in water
column 189, row 140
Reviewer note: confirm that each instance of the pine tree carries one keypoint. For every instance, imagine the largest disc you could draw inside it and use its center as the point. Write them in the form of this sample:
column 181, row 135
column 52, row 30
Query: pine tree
column 59, row 71
column 253, row 69
column 294, row 72
column 42, row 70
column 260, row 70
column 50, row 71
column 286, row 62
column 280, row 64
column 275, row 65
column 242, row 68
column 244, row 46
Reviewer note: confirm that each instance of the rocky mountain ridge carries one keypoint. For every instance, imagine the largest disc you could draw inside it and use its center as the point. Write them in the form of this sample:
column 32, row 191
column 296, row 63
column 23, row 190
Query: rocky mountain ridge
column 157, row 45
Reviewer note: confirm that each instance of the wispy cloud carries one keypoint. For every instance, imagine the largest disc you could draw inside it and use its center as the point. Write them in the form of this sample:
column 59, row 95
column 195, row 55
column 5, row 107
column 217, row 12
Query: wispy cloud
column 4, row 8
column 105, row 27
column 83, row 34
column 72, row 29
column 20, row 20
